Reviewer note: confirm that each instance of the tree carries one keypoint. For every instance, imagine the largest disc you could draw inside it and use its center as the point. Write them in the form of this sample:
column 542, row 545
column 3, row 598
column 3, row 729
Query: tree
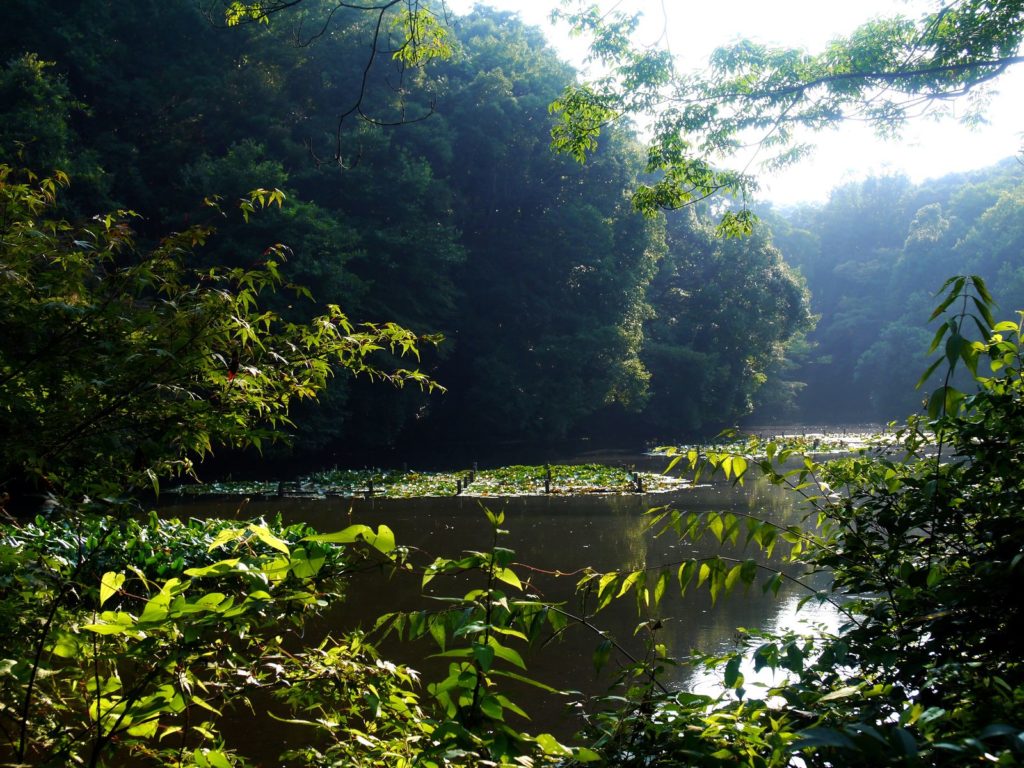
column 120, row 366
column 723, row 313
column 549, row 324
column 406, row 34
column 924, row 547
column 884, row 72
column 868, row 256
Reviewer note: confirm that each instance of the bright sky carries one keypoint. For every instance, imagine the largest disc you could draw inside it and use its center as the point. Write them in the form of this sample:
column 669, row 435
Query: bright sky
column 693, row 28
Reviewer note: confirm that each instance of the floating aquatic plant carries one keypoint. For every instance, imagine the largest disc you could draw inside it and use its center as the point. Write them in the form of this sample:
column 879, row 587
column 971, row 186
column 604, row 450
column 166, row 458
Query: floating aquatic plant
column 516, row 480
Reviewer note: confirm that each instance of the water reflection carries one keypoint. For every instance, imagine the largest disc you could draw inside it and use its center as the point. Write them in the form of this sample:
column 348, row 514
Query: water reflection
column 554, row 538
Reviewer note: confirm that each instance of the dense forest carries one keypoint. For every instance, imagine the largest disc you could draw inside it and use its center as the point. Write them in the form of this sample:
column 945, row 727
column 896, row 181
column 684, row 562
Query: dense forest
column 333, row 227
column 564, row 312
column 871, row 256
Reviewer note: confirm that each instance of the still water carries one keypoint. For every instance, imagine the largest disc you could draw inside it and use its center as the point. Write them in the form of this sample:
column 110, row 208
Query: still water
column 549, row 534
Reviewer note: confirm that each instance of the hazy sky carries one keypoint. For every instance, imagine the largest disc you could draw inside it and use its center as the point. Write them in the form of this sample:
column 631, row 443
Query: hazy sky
column 692, row 29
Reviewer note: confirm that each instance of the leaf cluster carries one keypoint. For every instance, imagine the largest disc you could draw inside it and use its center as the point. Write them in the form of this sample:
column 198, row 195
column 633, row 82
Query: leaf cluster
column 922, row 540
column 121, row 365
column 754, row 95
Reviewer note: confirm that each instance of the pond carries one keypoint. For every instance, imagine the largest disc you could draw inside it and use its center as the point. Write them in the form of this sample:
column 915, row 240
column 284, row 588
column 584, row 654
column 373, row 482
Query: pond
column 555, row 538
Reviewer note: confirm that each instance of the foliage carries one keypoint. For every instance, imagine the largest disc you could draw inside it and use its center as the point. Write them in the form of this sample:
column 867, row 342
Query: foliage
column 123, row 631
column 136, row 641
column 884, row 72
column 502, row 481
column 120, row 365
column 536, row 268
column 477, row 631
column 924, row 548
column 128, row 640
column 724, row 313
column 867, row 256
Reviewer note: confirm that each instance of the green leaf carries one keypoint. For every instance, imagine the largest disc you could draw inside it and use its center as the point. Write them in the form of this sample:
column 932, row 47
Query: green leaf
column 216, row 569
column 109, row 585
column 927, row 374
column 773, row 584
column 454, row 653
column 601, row 655
column 945, row 400
column 703, row 573
column 551, row 746
column 686, row 574
column 841, row 693
column 437, row 631
column 304, row 566
column 65, row 645
column 739, row 466
column 732, row 577
column 628, row 583
column 146, row 729
column 823, row 737
column 491, row 707
column 732, row 677
column 508, row 576
column 263, row 534
column 527, row 680
column 942, row 307
column 224, row 536
column 484, row 656
column 218, row 759
column 985, row 312
column 106, row 629
column 348, row 535
column 383, row 541
column 506, row 653
column 982, row 289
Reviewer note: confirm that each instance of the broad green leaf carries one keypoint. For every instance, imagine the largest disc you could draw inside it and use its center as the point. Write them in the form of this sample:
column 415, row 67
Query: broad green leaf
column 345, row 536
column 732, row 677
column 841, row 693
column 65, row 645
column 304, row 566
column 263, row 534
column 217, row 569
column 224, row 536
column 437, row 631
column 484, row 656
column 703, row 573
column 506, row 653
column 145, row 729
column 109, row 585
column 551, row 746
column 384, row 540
column 508, row 576
column 106, row 629
column 491, row 707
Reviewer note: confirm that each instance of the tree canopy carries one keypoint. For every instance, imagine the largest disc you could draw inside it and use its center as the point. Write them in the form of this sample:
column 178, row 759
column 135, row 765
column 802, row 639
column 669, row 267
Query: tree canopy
column 885, row 72
column 869, row 256
column 535, row 268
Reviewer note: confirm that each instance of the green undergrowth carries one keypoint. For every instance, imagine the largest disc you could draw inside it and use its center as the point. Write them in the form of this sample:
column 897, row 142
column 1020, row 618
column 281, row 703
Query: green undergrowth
column 516, row 480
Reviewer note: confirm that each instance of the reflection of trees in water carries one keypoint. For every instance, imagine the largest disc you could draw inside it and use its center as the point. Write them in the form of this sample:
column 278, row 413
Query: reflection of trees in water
column 692, row 622
column 771, row 502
